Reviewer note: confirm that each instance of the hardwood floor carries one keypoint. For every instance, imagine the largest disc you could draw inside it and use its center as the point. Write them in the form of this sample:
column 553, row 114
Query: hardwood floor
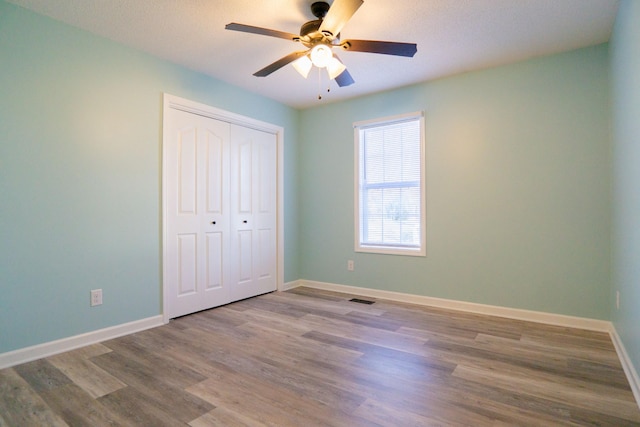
column 313, row 358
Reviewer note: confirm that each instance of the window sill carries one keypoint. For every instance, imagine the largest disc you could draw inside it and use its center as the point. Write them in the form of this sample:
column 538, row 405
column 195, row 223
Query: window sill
column 383, row 250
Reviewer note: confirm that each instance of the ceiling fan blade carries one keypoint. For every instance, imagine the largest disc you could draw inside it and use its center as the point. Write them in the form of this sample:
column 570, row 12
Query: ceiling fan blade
column 280, row 63
column 387, row 48
column 262, row 31
column 344, row 79
column 339, row 14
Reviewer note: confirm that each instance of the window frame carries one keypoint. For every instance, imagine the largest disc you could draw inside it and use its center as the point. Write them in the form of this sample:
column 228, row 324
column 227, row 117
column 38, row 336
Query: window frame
column 390, row 249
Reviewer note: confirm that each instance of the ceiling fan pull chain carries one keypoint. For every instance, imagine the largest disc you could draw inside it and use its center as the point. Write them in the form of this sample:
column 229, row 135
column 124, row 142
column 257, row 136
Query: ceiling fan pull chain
column 319, row 83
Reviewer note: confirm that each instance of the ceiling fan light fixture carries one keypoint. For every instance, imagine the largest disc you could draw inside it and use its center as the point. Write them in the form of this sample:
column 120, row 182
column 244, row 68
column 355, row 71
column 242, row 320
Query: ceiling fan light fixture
column 321, row 55
column 320, row 36
column 335, row 67
column 303, row 65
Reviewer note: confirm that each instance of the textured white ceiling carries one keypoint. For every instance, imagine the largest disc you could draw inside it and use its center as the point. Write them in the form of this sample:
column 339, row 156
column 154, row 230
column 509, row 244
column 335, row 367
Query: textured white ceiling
column 453, row 36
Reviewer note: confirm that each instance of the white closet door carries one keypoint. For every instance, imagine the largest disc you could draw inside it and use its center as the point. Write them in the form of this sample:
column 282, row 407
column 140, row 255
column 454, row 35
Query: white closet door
column 198, row 216
column 220, row 212
column 253, row 198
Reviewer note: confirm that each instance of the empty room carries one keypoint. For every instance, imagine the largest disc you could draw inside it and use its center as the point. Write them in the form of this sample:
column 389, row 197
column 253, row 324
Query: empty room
column 319, row 213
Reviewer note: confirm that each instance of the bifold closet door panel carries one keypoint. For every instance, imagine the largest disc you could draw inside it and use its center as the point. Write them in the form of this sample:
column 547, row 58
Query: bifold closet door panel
column 253, row 159
column 198, row 223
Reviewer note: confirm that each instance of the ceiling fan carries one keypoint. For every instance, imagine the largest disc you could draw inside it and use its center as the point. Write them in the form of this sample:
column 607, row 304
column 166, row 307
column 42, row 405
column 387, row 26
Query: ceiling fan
column 320, row 36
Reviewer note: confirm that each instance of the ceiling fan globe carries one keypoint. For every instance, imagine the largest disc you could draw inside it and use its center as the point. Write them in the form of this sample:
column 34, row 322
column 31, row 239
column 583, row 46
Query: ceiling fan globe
column 321, row 55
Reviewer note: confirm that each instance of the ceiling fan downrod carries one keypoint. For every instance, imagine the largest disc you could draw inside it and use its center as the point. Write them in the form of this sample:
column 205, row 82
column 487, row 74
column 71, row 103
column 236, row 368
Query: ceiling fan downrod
column 320, row 9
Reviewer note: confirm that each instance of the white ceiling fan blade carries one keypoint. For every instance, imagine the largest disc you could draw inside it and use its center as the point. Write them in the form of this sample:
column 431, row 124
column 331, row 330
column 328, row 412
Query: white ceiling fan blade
column 339, row 14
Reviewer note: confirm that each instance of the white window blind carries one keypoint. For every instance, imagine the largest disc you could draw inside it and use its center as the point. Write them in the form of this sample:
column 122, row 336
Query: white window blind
column 390, row 196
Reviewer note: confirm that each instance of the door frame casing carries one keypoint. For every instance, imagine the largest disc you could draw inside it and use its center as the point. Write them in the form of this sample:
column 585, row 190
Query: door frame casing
column 172, row 102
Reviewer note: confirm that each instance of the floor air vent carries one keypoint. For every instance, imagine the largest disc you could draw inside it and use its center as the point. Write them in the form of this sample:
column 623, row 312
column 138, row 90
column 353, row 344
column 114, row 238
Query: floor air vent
column 361, row 301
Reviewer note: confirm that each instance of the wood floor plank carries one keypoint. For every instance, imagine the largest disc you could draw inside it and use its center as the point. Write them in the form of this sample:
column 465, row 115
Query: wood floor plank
column 168, row 372
column 485, row 396
column 439, row 413
column 88, row 351
column 272, row 323
column 279, row 347
column 495, row 353
column 92, row 379
column 168, row 396
column 554, row 390
column 281, row 375
column 223, row 417
column 42, row 375
column 203, row 323
column 132, row 406
column 280, row 307
column 386, row 356
column 77, row 408
column 579, row 384
column 20, row 405
column 176, row 334
column 365, row 334
column 290, row 408
column 224, row 317
column 253, row 357
column 509, row 414
column 382, row 414
column 313, row 358
column 290, row 349
column 606, row 356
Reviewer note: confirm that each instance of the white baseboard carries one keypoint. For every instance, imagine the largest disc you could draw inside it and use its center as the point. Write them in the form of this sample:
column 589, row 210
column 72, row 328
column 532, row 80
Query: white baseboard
column 47, row 349
column 627, row 365
column 492, row 310
column 290, row 285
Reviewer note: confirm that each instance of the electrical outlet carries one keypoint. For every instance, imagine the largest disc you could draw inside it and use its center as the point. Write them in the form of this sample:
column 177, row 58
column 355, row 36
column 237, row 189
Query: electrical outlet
column 96, row 297
column 350, row 265
column 617, row 300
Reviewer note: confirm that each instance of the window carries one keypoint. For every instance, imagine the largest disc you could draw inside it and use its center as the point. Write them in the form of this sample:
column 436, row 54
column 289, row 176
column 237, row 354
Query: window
column 390, row 200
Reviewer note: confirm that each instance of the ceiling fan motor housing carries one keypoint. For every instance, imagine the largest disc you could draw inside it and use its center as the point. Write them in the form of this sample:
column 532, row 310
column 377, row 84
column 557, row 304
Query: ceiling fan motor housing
column 310, row 27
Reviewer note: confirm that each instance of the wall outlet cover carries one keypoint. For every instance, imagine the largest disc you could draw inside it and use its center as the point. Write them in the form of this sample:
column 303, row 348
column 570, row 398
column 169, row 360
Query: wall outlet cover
column 96, row 297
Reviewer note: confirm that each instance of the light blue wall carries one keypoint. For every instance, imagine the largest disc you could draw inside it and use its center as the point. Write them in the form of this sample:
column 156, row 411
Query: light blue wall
column 625, row 73
column 518, row 188
column 80, row 176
